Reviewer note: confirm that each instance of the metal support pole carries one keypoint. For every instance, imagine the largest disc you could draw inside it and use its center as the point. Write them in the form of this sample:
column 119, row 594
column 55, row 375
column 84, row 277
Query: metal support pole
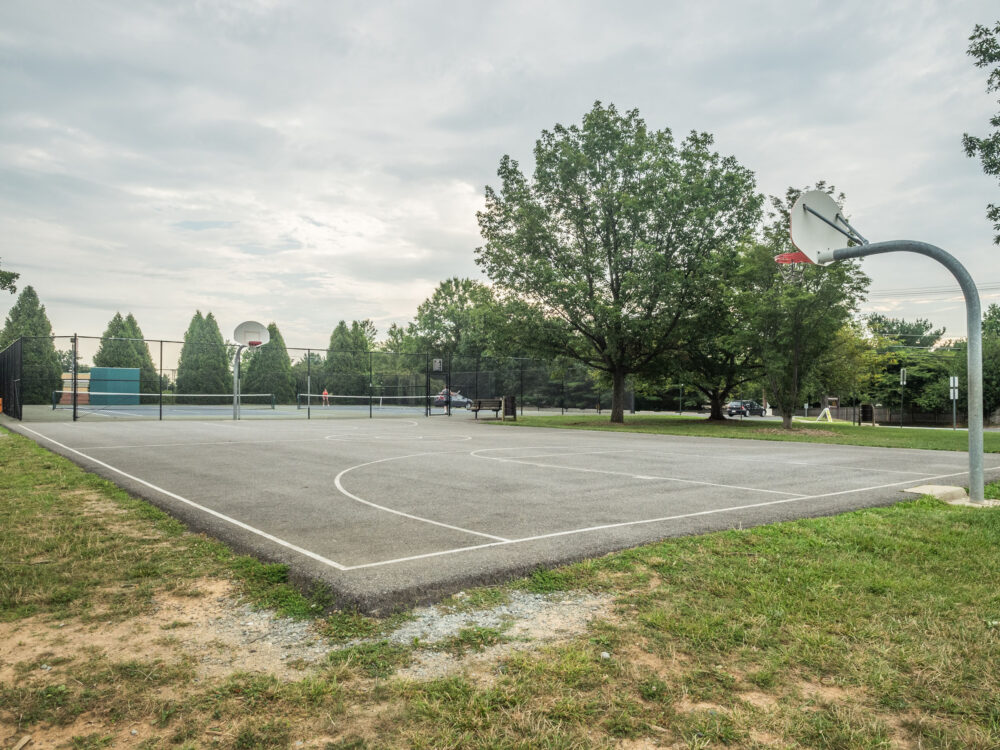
column 161, row 380
column 370, row 393
column 680, row 398
column 236, row 382
column 902, row 392
column 309, row 383
column 974, row 320
column 75, row 373
column 521, row 396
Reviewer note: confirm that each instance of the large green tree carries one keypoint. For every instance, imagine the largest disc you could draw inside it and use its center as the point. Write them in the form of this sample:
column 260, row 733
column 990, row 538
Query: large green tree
column 917, row 333
column 41, row 370
column 608, row 240
column 984, row 48
column 795, row 311
column 453, row 320
column 268, row 369
column 915, row 346
column 204, row 365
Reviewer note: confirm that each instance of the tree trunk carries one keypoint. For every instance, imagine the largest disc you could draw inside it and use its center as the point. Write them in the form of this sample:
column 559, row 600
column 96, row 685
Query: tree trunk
column 786, row 419
column 618, row 396
column 716, row 400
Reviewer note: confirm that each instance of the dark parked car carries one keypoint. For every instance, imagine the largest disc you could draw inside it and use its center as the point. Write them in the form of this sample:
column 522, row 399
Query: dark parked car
column 745, row 409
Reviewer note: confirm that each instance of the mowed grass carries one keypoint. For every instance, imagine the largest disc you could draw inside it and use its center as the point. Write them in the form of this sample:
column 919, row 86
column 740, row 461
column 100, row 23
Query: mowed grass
column 804, row 431
column 873, row 629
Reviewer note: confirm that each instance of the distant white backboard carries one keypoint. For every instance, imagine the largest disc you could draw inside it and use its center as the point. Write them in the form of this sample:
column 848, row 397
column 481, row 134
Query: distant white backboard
column 251, row 333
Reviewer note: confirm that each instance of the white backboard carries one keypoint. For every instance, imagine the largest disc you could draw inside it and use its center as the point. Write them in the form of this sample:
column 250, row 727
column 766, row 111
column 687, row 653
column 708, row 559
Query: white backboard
column 810, row 234
column 251, row 333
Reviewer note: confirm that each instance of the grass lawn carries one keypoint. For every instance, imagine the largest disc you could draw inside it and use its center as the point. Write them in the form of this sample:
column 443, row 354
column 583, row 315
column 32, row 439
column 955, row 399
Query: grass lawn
column 804, row 431
column 873, row 629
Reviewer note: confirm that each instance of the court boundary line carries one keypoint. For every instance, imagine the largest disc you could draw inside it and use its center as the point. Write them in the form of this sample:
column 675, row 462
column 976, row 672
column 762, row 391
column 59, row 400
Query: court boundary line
column 222, row 516
column 627, row 474
column 345, row 492
column 623, row 524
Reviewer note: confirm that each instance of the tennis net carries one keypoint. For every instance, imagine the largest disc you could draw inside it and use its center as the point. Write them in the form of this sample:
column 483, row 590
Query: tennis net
column 377, row 403
column 109, row 401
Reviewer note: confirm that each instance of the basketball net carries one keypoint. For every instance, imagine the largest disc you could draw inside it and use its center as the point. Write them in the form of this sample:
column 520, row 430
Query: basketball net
column 792, row 265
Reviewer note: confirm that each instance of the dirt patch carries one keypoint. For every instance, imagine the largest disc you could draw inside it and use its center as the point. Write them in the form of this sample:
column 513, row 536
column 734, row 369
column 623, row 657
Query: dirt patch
column 551, row 621
column 215, row 628
column 826, row 692
column 796, row 431
column 759, row 700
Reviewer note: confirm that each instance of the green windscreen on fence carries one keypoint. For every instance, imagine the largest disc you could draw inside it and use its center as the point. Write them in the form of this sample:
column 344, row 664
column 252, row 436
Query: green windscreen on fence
column 114, row 385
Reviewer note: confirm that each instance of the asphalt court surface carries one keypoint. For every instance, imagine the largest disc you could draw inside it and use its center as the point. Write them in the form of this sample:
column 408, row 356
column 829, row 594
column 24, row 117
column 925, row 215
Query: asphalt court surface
column 392, row 512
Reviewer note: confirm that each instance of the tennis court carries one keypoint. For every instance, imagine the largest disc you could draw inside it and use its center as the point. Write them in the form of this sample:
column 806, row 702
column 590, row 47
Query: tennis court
column 397, row 511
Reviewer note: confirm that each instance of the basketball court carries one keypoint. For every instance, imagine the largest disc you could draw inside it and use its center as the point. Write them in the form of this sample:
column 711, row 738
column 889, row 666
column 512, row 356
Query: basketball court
column 396, row 511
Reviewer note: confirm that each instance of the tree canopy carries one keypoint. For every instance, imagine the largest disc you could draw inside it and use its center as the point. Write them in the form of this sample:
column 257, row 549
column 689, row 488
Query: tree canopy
column 984, row 48
column 795, row 312
column 608, row 241
column 348, row 361
column 452, row 320
column 41, row 369
column 204, row 366
column 122, row 345
column 7, row 279
column 268, row 369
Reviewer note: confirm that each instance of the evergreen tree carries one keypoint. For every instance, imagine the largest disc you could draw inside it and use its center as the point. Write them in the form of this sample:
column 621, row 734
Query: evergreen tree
column 268, row 369
column 149, row 378
column 204, row 362
column 347, row 360
column 41, row 371
column 116, row 350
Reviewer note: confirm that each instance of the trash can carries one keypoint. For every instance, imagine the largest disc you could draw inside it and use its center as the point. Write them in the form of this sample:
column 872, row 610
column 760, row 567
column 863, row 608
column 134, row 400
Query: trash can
column 510, row 407
column 867, row 414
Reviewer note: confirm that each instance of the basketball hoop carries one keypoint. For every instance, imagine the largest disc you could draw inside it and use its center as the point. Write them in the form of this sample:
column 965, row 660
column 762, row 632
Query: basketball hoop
column 792, row 266
column 248, row 335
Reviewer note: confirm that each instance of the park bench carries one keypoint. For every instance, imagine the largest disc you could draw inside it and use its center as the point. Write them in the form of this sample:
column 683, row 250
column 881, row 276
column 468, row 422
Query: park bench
column 494, row 405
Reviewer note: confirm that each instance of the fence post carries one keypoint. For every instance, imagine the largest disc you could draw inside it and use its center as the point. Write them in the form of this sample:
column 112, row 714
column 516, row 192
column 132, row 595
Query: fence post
column 74, row 372
column 309, row 383
column 160, row 378
column 521, row 394
column 370, row 378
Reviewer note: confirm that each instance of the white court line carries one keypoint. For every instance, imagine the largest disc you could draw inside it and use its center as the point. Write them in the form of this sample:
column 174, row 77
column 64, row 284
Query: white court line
column 550, row 455
column 175, row 496
column 638, row 523
column 206, row 442
column 630, row 475
column 343, row 491
column 769, row 460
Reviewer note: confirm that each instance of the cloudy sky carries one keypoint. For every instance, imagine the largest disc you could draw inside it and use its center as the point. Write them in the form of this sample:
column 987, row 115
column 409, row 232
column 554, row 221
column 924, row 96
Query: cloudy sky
column 311, row 161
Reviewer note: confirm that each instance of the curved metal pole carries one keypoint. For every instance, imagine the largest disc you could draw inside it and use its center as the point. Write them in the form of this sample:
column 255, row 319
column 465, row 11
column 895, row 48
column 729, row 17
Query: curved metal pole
column 974, row 317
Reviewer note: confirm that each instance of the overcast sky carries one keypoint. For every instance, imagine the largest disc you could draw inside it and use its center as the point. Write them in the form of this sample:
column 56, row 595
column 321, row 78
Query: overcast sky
column 306, row 162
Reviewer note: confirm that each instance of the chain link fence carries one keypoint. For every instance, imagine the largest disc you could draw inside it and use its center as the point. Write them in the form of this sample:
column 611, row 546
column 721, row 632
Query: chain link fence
column 88, row 377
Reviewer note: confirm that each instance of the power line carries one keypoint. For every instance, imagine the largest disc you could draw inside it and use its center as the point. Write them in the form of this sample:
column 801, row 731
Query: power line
column 931, row 291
